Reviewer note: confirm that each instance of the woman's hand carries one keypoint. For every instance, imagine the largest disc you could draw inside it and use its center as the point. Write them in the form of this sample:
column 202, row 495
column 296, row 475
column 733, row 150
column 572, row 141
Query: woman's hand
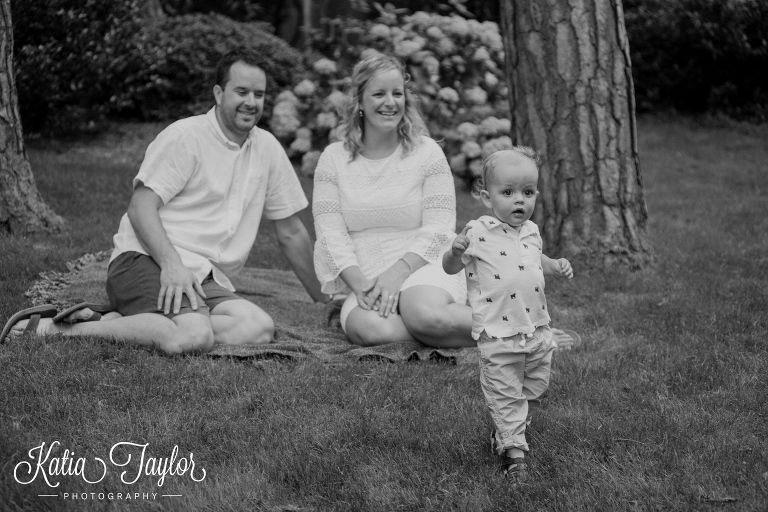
column 356, row 281
column 362, row 296
column 383, row 292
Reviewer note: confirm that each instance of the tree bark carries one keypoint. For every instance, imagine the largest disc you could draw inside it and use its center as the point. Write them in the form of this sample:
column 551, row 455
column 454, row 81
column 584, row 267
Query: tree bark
column 572, row 100
column 22, row 210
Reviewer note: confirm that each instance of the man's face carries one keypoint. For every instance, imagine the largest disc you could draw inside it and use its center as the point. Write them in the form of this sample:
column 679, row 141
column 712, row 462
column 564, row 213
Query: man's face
column 240, row 103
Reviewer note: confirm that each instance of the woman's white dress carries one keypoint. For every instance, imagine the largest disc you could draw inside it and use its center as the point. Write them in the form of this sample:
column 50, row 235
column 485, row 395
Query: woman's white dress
column 369, row 213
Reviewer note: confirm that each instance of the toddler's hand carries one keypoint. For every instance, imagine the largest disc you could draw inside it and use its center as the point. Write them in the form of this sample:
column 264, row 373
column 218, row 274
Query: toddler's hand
column 565, row 269
column 461, row 242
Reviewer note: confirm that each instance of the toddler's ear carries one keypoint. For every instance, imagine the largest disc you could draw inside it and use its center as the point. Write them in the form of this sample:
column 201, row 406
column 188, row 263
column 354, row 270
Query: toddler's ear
column 486, row 198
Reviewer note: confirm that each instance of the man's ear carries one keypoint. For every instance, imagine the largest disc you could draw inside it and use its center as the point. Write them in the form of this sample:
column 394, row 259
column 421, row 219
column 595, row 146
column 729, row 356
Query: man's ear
column 217, row 92
column 486, row 198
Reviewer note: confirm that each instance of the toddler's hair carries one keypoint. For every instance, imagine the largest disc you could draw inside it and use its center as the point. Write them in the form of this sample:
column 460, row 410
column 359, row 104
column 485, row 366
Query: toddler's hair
column 489, row 164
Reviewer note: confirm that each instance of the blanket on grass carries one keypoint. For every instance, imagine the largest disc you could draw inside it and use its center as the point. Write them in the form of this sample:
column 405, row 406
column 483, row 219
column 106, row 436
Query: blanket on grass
column 303, row 328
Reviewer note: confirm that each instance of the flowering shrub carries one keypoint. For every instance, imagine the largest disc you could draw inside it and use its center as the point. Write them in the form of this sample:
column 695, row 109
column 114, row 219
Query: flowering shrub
column 448, row 95
column 456, row 65
column 305, row 117
column 468, row 131
column 324, row 67
column 305, row 88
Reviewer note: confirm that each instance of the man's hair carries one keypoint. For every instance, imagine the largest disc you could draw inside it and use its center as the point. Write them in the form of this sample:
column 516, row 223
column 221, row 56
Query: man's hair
column 490, row 163
column 237, row 55
column 411, row 126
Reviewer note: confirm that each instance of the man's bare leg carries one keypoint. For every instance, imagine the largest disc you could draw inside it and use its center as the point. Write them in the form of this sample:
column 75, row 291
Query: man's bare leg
column 241, row 322
column 183, row 333
column 234, row 322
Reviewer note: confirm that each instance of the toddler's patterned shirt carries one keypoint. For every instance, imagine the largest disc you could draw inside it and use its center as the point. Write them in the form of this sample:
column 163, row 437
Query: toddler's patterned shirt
column 505, row 280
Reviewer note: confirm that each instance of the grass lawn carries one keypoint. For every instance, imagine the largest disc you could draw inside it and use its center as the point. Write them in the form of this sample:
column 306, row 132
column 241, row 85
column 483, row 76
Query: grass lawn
column 664, row 407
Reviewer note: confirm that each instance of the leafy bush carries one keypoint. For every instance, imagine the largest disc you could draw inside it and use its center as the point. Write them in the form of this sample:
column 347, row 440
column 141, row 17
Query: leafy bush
column 80, row 60
column 481, row 10
column 240, row 10
column 170, row 72
column 700, row 55
column 63, row 50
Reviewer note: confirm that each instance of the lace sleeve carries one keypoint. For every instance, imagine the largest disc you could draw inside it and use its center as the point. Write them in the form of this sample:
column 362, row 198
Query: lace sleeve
column 438, row 208
column 334, row 249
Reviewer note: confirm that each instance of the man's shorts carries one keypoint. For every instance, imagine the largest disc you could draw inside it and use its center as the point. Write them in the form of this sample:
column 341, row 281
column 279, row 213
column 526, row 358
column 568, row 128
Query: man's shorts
column 133, row 284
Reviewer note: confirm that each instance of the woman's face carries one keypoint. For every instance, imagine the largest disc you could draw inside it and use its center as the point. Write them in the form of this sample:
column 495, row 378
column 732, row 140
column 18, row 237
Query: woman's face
column 383, row 102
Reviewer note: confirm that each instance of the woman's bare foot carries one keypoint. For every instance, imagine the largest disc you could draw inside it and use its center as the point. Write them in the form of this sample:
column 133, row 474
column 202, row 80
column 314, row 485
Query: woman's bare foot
column 565, row 340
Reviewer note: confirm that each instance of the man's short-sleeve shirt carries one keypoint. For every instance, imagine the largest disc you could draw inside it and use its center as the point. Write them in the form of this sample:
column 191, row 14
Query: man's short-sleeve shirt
column 214, row 193
column 505, row 280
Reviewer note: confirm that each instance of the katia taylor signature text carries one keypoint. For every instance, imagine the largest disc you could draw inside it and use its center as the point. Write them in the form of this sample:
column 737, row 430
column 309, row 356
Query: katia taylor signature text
column 131, row 458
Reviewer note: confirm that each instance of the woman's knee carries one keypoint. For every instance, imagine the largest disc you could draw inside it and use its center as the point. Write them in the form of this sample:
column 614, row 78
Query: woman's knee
column 430, row 322
column 431, row 312
column 370, row 330
column 368, row 338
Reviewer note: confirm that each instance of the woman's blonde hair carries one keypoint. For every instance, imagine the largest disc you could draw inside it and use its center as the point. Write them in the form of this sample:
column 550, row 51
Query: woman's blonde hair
column 492, row 160
column 411, row 126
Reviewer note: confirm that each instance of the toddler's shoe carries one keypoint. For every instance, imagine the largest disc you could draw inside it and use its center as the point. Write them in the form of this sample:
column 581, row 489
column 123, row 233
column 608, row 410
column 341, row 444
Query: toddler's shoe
column 514, row 469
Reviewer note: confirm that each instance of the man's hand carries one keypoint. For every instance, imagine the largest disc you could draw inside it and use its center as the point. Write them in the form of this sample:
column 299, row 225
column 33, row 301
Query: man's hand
column 563, row 268
column 175, row 278
column 175, row 281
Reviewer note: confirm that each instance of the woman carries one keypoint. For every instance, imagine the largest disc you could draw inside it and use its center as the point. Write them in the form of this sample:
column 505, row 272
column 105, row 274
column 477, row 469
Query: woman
column 385, row 210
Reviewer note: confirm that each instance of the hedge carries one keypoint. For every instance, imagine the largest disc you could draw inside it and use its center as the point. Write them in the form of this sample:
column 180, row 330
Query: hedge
column 78, row 61
column 63, row 50
column 170, row 73
column 700, row 55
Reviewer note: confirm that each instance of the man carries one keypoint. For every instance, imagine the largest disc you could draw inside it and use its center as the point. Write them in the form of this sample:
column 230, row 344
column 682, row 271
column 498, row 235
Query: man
column 196, row 206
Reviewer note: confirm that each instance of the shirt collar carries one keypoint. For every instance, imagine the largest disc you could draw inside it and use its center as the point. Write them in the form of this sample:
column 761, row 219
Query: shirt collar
column 491, row 222
column 219, row 133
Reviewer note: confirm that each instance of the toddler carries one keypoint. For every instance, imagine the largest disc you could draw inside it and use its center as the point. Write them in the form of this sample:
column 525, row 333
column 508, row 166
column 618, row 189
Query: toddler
column 505, row 271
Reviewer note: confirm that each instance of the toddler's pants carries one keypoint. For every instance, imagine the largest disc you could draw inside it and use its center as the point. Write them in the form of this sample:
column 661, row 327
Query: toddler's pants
column 511, row 374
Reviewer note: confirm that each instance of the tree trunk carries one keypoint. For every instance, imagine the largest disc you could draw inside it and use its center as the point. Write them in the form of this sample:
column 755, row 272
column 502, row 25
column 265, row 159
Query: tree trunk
column 572, row 100
column 22, row 210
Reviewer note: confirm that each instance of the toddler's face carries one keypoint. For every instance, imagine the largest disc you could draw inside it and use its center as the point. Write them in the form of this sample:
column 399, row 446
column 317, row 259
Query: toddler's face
column 512, row 190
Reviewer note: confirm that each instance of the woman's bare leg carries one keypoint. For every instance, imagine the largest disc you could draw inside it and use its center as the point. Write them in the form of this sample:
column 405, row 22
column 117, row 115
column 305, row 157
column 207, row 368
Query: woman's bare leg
column 434, row 318
column 367, row 328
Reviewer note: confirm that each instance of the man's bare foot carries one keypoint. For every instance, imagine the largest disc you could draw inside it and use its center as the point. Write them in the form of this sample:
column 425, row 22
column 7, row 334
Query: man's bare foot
column 81, row 315
column 46, row 326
